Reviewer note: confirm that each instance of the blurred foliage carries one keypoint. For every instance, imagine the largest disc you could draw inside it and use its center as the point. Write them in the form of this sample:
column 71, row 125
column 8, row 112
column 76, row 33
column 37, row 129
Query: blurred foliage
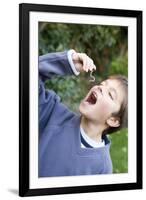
column 119, row 151
column 107, row 46
column 73, row 95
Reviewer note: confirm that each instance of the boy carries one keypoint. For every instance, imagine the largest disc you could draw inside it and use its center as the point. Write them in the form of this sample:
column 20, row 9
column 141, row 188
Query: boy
column 77, row 145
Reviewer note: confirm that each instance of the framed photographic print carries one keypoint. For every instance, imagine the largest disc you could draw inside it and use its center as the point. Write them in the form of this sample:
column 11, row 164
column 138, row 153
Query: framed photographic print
column 80, row 110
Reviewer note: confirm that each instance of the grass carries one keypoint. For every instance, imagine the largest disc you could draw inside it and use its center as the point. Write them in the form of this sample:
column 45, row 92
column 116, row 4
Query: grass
column 119, row 151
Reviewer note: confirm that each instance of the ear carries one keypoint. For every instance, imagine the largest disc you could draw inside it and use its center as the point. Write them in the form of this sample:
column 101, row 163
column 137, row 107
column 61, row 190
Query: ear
column 113, row 121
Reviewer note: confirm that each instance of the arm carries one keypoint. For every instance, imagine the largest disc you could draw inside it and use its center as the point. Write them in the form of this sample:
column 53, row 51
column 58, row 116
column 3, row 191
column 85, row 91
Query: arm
column 50, row 65
column 64, row 63
column 53, row 64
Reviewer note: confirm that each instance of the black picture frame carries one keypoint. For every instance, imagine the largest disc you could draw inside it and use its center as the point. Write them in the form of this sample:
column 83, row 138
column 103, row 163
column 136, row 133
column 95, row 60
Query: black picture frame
column 24, row 105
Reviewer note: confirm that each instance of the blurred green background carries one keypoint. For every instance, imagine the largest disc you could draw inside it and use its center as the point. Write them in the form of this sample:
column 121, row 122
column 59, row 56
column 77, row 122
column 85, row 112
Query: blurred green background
column 107, row 46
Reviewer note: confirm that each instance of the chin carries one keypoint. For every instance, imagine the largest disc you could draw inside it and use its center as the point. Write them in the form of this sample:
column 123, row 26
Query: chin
column 83, row 110
column 80, row 108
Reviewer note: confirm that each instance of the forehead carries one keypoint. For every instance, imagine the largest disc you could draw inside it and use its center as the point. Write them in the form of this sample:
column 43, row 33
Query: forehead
column 112, row 82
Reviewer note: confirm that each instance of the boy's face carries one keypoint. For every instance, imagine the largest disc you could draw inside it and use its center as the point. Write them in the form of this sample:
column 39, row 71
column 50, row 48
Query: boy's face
column 102, row 100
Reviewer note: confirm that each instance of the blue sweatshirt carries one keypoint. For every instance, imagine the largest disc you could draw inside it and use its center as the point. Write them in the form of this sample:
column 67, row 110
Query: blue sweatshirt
column 60, row 152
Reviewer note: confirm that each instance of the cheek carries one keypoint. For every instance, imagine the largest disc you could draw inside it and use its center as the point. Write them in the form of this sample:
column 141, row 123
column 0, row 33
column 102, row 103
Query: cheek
column 105, row 108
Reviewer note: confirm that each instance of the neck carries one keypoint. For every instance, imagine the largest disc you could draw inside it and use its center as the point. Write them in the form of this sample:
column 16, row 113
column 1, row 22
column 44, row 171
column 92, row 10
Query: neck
column 93, row 130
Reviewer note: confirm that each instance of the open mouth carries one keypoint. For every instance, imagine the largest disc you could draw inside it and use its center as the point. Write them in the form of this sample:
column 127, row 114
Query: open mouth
column 92, row 99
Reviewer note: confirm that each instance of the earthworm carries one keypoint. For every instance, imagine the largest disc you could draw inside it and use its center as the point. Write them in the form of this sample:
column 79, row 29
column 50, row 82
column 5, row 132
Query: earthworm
column 92, row 77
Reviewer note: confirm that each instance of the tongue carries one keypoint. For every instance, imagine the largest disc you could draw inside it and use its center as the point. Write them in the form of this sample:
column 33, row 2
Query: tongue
column 92, row 99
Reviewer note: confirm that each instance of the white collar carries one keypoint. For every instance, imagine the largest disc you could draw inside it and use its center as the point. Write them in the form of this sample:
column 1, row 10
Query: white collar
column 90, row 141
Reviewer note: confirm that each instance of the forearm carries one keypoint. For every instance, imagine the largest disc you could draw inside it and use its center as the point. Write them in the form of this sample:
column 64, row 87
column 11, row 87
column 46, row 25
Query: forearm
column 56, row 64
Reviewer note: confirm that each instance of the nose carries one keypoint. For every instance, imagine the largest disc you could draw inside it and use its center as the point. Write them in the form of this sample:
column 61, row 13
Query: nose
column 99, row 88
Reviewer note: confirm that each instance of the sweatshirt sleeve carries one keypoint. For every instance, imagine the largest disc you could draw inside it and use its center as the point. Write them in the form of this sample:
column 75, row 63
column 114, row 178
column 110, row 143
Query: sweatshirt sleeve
column 53, row 64
column 50, row 65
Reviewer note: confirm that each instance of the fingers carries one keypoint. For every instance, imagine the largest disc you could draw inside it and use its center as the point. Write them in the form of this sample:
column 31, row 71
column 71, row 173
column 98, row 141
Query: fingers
column 88, row 64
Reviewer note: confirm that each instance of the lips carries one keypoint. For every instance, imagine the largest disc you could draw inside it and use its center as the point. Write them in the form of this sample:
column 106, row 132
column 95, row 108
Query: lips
column 92, row 98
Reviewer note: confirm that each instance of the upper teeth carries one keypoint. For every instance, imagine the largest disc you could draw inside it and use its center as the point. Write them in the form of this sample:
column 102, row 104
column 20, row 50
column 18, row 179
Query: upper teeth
column 95, row 94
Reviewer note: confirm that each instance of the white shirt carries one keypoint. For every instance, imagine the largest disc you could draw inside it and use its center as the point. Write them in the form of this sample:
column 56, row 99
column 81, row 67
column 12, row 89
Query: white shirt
column 89, row 141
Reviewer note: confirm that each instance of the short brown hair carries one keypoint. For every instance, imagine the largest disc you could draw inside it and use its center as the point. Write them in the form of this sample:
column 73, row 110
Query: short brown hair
column 122, row 114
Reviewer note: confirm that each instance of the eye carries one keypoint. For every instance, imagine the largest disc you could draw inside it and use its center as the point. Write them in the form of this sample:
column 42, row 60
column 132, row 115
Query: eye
column 110, row 96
